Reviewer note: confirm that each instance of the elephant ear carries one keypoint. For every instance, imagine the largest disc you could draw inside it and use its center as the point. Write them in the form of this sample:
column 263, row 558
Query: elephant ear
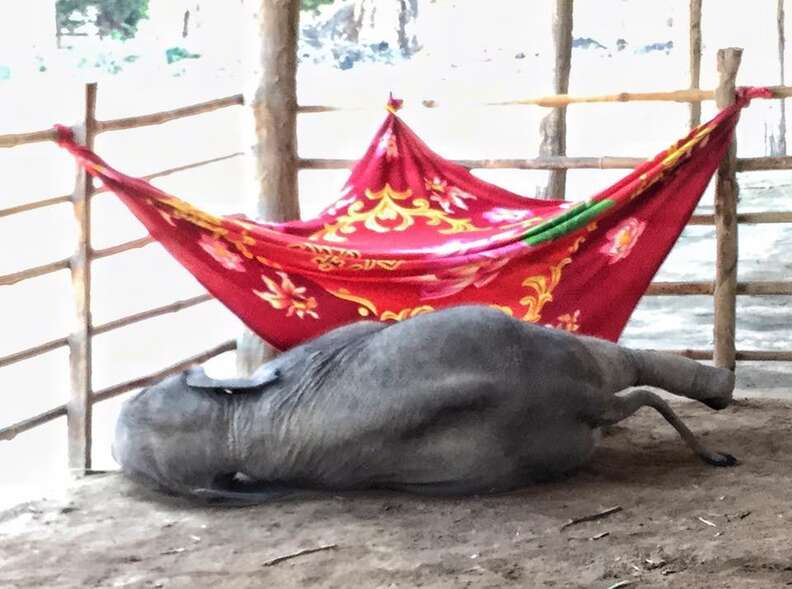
column 198, row 379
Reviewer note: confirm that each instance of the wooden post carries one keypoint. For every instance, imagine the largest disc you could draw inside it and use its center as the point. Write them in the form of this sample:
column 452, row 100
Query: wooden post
column 553, row 127
column 79, row 406
column 779, row 144
column 726, row 190
column 274, row 107
column 695, row 59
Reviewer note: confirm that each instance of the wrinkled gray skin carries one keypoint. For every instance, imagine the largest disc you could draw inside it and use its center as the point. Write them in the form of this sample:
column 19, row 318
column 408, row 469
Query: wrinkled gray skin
column 461, row 401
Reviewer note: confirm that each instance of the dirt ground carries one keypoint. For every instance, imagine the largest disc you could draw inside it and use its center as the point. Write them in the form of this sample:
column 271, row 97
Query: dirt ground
column 682, row 524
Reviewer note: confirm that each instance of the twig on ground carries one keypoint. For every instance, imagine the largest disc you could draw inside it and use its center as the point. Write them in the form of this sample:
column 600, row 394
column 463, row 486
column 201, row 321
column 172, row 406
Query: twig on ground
column 592, row 517
column 276, row 560
column 600, row 535
column 621, row 584
column 708, row 522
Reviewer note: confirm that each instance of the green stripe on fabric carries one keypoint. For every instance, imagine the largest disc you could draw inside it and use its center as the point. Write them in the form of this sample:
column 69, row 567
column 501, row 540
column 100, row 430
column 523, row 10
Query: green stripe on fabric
column 573, row 219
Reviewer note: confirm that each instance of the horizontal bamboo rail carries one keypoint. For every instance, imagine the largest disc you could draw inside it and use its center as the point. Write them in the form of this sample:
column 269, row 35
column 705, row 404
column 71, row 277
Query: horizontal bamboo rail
column 157, row 118
column 14, row 139
column 122, row 247
column 131, row 385
column 761, row 218
column 555, row 101
column 38, row 204
column 708, row 288
column 685, row 95
column 744, row 355
column 8, row 279
column 10, row 431
column 753, row 164
column 34, row 351
column 150, row 314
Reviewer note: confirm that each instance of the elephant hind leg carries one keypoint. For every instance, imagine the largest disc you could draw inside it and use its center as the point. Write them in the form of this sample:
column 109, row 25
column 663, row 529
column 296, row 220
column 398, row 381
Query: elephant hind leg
column 619, row 407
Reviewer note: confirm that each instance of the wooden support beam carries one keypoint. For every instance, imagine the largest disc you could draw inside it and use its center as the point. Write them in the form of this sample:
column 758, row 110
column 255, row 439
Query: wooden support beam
column 780, row 143
column 274, row 107
column 695, row 59
column 726, row 189
column 79, row 405
column 553, row 126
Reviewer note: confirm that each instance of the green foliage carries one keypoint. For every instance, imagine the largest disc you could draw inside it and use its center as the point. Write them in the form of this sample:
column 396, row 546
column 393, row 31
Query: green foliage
column 174, row 54
column 313, row 4
column 116, row 18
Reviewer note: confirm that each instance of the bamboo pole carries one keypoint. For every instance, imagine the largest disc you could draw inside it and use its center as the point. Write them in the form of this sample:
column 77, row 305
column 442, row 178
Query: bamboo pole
column 779, row 287
column 695, row 59
column 33, row 352
column 151, row 313
column 124, row 387
column 743, row 355
column 748, row 218
column 166, row 116
column 9, row 279
column 15, row 139
column 122, row 247
column 726, row 189
column 47, row 202
column 8, row 432
column 274, row 109
column 79, row 405
column 553, row 126
column 751, row 164
column 780, row 145
column 38, row 204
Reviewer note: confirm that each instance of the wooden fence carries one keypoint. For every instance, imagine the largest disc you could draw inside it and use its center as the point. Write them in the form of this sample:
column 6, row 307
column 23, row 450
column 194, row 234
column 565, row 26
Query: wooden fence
column 78, row 410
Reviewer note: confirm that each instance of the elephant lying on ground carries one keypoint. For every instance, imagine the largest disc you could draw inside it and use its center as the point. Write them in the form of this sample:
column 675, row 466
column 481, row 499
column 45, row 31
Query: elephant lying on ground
column 461, row 401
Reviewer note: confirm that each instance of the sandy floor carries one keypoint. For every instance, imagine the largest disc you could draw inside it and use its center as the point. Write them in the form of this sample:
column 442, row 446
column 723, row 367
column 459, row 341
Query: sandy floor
column 682, row 523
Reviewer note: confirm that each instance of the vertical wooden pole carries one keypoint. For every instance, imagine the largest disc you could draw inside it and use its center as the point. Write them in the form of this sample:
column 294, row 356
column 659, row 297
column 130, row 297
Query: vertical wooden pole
column 553, row 128
column 274, row 107
column 79, row 405
column 726, row 191
column 695, row 59
column 779, row 146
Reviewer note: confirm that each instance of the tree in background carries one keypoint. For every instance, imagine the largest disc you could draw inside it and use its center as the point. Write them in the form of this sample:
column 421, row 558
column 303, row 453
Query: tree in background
column 313, row 4
column 116, row 18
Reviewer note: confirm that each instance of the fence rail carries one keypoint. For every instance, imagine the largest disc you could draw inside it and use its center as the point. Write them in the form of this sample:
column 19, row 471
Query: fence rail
column 11, row 431
column 78, row 409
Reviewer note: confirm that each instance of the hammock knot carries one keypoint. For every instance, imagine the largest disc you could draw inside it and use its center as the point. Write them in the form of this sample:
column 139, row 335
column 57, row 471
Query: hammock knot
column 394, row 104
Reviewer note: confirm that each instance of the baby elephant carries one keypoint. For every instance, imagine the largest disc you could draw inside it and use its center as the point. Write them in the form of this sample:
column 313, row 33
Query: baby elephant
column 462, row 401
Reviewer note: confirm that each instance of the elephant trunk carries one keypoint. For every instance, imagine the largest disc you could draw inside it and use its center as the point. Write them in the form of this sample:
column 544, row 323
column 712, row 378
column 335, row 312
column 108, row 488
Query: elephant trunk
column 685, row 377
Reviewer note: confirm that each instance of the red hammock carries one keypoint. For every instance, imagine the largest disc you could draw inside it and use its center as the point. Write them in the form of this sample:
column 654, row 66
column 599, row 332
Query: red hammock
column 413, row 232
